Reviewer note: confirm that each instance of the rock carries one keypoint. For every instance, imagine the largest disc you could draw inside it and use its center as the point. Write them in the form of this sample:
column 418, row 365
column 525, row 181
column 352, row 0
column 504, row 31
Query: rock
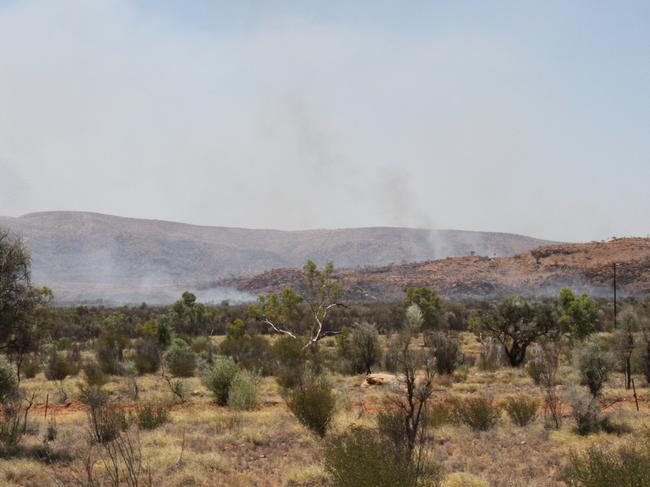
column 197, row 393
column 378, row 380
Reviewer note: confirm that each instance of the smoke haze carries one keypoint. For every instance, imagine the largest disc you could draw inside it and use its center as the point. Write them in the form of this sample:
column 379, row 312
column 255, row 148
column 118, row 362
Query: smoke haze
column 512, row 118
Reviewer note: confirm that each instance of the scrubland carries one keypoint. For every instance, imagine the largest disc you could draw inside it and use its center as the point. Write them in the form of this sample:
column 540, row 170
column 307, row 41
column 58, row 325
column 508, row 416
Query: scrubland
column 204, row 444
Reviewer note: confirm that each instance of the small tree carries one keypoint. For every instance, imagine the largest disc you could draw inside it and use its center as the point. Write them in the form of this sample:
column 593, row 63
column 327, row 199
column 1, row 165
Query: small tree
column 516, row 323
column 579, row 315
column 283, row 311
column 429, row 303
column 416, row 389
column 364, row 347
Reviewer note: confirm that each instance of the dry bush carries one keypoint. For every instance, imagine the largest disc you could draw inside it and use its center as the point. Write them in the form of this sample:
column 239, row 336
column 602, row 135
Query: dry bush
column 625, row 466
column 521, row 409
column 479, row 413
column 313, row 404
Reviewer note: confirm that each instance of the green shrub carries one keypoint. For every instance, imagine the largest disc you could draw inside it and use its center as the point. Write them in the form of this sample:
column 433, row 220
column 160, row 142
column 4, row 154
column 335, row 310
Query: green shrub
column 479, row 413
column 150, row 415
column 594, row 363
column 625, row 466
column 364, row 458
column 445, row 350
column 31, row 366
column 180, row 359
column 93, row 374
column 292, row 359
column 243, row 392
column 521, row 409
column 313, row 405
column 219, row 377
column 59, row 366
column 364, row 347
column 8, row 381
column 147, row 356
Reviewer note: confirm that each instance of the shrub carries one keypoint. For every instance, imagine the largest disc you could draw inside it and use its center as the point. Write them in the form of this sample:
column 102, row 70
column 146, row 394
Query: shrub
column 152, row 414
column 625, row 466
column 521, row 409
column 363, row 458
column 445, row 350
column 492, row 355
column 59, row 366
column 219, row 377
column 594, row 363
column 147, row 356
column 93, row 374
column 292, row 358
column 364, row 347
column 313, row 405
column 479, row 413
column 8, row 382
column 243, row 392
column 31, row 366
column 180, row 359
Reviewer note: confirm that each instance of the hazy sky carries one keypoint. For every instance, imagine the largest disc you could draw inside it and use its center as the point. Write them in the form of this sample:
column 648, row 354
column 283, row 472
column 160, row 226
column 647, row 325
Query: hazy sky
column 526, row 116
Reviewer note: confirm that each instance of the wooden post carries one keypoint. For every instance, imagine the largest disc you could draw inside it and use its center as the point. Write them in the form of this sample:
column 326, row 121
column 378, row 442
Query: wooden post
column 47, row 401
column 636, row 399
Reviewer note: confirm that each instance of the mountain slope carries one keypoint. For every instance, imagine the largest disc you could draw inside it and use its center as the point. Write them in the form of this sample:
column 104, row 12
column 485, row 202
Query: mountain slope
column 542, row 271
column 90, row 255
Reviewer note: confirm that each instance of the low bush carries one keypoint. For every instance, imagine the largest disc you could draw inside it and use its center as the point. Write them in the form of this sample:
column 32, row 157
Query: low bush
column 147, row 356
column 479, row 413
column 150, row 415
column 31, row 366
column 364, row 458
column 59, row 366
column 219, row 378
column 180, row 359
column 93, row 374
column 625, row 466
column 521, row 409
column 492, row 356
column 242, row 395
column 445, row 350
column 313, row 405
column 292, row 360
column 594, row 363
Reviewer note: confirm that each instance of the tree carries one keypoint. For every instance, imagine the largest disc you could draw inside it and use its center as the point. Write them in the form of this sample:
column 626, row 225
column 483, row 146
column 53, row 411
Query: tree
column 429, row 304
column 579, row 315
column 21, row 305
column 187, row 316
column 284, row 311
column 516, row 323
column 417, row 389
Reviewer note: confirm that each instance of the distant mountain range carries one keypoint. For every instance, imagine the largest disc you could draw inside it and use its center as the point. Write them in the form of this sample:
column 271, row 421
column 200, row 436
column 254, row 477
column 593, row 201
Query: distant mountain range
column 90, row 256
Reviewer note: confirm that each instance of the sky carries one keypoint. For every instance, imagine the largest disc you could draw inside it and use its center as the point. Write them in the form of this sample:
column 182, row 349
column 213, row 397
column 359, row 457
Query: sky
column 528, row 117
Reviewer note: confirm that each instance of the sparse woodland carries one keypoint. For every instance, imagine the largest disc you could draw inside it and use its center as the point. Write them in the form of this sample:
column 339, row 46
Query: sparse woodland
column 301, row 388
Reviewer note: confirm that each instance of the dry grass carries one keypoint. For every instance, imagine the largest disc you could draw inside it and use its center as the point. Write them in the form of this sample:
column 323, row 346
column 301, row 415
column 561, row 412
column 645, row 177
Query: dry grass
column 204, row 444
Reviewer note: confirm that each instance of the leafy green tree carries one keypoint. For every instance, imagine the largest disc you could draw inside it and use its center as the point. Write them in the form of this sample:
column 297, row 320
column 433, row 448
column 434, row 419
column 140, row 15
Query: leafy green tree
column 579, row 315
column 187, row 316
column 286, row 312
column 21, row 305
column 428, row 302
column 516, row 323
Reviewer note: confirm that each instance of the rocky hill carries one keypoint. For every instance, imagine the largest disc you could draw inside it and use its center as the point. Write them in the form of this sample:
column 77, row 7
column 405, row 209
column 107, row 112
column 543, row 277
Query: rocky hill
column 587, row 267
column 93, row 256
